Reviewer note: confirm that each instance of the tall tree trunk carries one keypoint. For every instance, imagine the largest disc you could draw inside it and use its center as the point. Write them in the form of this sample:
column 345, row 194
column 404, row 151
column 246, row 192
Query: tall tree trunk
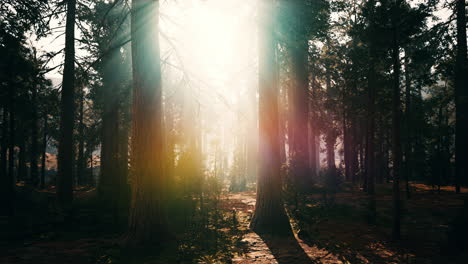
column 354, row 151
column 282, row 128
column 269, row 216
column 252, row 146
column 379, row 159
column 346, row 142
column 44, row 151
column 109, row 179
column 4, row 179
column 332, row 180
column 461, row 99
column 67, row 115
column 147, row 218
column 370, row 168
column 170, row 146
column 10, row 182
column 408, row 125
column 34, row 139
column 299, row 101
column 123, row 154
column 396, row 144
column 313, row 148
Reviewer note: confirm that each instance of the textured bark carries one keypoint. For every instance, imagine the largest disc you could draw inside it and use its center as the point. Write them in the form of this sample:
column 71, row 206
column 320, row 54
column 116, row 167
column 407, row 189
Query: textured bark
column 269, row 215
column 461, row 99
column 67, row 115
column 147, row 219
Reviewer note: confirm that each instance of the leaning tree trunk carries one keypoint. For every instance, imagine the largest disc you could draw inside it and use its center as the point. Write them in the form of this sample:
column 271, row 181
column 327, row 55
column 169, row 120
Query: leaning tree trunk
column 269, row 216
column 67, row 115
column 461, row 99
column 147, row 217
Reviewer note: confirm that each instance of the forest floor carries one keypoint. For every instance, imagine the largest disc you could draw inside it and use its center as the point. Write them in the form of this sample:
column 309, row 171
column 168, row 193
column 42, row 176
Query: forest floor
column 338, row 232
column 327, row 229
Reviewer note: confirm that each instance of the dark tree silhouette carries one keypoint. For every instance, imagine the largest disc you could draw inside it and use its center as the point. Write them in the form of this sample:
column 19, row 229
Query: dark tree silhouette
column 67, row 114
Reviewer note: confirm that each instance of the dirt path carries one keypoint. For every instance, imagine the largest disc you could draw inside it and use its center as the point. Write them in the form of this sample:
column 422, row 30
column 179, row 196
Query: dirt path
column 272, row 251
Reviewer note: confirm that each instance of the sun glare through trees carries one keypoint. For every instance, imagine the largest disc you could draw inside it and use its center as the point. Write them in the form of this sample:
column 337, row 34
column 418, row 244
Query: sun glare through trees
column 233, row 131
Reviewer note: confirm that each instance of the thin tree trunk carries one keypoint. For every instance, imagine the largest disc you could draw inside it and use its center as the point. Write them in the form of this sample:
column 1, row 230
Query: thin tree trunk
column 81, row 159
column 252, row 147
column 396, row 147
column 282, row 128
column 44, row 151
column 67, row 115
column 370, row 153
column 4, row 179
column 354, row 151
column 22, row 171
column 269, row 215
column 461, row 99
column 10, row 182
column 34, row 139
column 313, row 164
column 408, row 119
column 346, row 142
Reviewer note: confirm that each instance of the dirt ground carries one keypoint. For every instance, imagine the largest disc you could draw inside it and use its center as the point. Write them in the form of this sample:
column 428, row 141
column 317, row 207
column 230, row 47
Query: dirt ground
column 336, row 233
column 349, row 239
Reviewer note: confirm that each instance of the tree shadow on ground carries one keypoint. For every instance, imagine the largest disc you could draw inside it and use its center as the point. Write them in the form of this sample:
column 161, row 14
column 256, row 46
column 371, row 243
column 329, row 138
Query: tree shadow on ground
column 286, row 250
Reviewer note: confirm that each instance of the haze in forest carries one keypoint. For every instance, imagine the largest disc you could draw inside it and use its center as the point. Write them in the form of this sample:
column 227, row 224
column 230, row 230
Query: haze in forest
column 229, row 131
